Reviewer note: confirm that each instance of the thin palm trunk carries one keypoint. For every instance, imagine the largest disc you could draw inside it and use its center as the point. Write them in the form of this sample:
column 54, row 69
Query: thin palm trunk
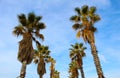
column 52, row 71
column 23, row 70
column 82, row 72
column 51, row 74
column 96, row 61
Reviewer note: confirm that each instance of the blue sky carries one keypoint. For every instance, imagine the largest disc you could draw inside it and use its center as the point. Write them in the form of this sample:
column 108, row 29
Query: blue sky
column 59, row 35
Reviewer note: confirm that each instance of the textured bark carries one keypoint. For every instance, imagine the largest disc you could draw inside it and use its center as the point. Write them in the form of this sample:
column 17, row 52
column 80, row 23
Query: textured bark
column 41, row 68
column 51, row 74
column 52, row 70
column 80, row 63
column 82, row 72
column 26, row 51
column 23, row 70
column 97, row 61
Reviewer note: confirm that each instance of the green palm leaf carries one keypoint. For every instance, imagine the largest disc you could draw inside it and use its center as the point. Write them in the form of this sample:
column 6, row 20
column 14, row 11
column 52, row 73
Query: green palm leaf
column 31, row 17
column 22, row 19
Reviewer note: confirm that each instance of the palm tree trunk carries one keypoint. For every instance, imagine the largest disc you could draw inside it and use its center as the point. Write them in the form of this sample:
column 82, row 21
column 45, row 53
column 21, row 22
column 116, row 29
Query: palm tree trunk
column 40, row 76
column 23, row 70
column 96, row 61
column 51, row 74
column 82, row 72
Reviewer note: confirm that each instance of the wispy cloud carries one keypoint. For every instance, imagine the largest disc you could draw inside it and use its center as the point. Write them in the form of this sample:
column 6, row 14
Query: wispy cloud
column 59, row 35
column 102, row 58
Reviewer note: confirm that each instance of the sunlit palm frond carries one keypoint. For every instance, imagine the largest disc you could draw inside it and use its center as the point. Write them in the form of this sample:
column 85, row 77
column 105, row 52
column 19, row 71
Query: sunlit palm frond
column 78, row 34
column 19, row 30
column 96, row 18
column 92, row 10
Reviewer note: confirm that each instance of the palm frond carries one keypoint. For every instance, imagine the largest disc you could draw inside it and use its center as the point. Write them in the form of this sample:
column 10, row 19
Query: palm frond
column 96, row 18
column 40, row 36
column 81, row 45
column 40, row 26
column 84, row 10
column 76, row 26
column 31, row 17
column 78, row 34
column 77, row 9
column 92, row 10
column 84, row 35
column 19, row 30
column 22, row 19
column 75, row 18
column 93, row 29
column 38, row 18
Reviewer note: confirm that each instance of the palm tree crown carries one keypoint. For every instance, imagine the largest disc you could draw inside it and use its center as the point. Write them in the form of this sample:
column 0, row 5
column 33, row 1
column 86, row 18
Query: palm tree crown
column 42, row 54
column 84, row 22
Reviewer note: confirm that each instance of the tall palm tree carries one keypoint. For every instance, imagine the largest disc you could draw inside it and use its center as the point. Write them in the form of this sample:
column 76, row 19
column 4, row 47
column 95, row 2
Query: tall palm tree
column 42, row 54
column 77, row 53
column 84, row 25
column 73, row 69
column 28, row 28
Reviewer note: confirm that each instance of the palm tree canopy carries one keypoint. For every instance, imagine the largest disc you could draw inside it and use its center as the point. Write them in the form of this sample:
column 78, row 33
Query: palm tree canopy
column 31, row 24
column 42, row 54
column 29, row 28
column 84, row 22
column 77, row 49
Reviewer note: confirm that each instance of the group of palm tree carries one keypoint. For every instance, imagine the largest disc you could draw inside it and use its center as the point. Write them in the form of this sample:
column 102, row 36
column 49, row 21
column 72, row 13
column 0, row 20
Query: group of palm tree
column 84, row 22
column 30, row 27
column 76, row 55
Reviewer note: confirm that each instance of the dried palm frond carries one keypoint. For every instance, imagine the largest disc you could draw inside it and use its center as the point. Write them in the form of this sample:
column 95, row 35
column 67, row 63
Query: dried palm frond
column 26, row 51
column 41, row 70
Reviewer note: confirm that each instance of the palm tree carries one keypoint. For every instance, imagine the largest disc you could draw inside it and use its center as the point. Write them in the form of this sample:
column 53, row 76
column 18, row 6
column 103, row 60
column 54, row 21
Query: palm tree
column 53, row 73
column 84, row 25
column 56, row 74
column 28, row 28
column 52, row 67
column 42, row 54
column 77, row 53
column 73, row 69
